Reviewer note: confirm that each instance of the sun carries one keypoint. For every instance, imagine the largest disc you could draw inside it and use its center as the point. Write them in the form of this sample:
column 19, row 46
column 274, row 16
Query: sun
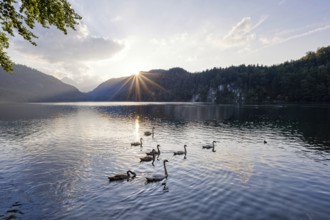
column 139, row 84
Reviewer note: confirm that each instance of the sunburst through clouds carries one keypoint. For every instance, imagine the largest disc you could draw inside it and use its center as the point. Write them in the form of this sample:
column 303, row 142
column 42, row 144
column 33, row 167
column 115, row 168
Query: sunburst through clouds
column 139, row 86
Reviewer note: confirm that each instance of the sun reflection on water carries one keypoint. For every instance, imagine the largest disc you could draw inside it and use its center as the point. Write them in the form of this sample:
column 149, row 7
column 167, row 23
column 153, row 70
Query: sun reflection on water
column 137, row 127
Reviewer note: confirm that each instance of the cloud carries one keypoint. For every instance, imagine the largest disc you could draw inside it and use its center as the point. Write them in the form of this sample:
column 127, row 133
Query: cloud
column 68, row 56
column 242, row 33
column 78, row 74
column 77, row 46
column 282, row 39
column 86, row 80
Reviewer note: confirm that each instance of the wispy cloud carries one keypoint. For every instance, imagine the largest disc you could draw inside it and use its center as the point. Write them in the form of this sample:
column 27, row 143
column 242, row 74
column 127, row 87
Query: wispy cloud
column 282, row 39
column 242, row 33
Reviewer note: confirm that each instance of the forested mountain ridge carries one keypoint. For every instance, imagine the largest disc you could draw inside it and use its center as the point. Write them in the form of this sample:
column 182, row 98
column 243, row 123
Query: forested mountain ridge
column 29, row 85
column 299, row 81
column 303, row 80
column 155, row 85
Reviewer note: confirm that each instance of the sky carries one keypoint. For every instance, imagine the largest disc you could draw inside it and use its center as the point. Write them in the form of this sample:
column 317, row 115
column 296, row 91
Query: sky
column 118, row 38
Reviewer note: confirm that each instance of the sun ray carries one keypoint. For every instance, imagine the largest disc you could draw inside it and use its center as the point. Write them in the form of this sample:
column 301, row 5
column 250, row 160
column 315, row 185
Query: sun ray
column 153, row 83
column 131, row 87
column 137, row 88
column 123, row 85
column 138, row 85
column 144, row 85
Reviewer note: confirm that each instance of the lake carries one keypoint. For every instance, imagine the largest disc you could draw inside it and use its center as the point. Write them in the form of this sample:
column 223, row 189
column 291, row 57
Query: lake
column 56, row 158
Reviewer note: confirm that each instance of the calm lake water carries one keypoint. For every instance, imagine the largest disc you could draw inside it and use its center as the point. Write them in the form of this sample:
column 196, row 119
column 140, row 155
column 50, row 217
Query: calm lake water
column 55, row 160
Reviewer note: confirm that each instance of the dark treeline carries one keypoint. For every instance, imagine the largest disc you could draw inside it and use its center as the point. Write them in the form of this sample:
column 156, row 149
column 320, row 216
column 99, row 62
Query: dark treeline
column 303, row 80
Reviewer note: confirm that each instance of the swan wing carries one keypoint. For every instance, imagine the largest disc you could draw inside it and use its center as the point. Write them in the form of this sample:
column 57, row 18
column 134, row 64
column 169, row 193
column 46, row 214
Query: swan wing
column 148, row 158
column 151, row 153
column 207, row 146
column 155, row 178
column 178, row 152
column 147, row 133
column 118, row 177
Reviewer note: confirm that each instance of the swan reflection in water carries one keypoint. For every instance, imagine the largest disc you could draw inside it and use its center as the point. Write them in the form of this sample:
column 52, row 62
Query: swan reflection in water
column 165, row 188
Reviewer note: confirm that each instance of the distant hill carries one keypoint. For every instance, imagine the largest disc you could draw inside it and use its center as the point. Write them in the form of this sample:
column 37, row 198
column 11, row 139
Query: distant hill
column 303, row 80
column 107, row 90
column 154, row 85
column 29, row 85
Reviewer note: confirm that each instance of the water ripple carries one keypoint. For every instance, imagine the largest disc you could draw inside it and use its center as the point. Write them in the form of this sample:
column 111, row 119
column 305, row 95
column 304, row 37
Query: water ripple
column 56, row 166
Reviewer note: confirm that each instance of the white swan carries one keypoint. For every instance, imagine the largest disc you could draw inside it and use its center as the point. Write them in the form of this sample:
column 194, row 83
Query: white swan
column 181, row 152
column 210, row 146
column 154, row 152
column 148, row 133
column 123, row 176
column 158, row 177
column 137, row 143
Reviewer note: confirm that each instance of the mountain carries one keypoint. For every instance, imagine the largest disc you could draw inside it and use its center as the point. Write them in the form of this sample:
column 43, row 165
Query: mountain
column 298, row 81
column 29, row 85
column 155, row 85
column 303, row 80
column 107, row 90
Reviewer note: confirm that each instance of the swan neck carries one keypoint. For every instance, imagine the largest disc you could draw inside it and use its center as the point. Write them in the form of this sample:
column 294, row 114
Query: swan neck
column 133, row 174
